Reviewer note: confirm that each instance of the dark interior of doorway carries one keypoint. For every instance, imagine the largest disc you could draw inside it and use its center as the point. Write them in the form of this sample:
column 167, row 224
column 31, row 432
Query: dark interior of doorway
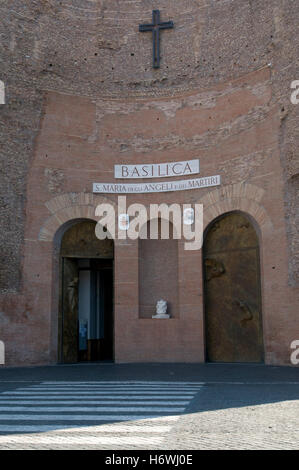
column 87, row 310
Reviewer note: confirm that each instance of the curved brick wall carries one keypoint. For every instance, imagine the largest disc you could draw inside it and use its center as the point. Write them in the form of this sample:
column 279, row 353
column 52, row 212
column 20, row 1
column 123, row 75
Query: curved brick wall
column 234, row 60
column 93, row 48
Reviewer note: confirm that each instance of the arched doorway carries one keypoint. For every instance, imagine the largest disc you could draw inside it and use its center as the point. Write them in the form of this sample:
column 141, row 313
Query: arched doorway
column 85, row 320
column 233, row 317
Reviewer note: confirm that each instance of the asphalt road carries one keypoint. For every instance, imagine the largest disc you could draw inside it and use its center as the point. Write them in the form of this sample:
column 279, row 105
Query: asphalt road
column 149, row 406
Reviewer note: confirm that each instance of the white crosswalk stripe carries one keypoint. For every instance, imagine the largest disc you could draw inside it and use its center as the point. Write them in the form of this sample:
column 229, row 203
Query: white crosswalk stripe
column 94, row 414
column 90, row 402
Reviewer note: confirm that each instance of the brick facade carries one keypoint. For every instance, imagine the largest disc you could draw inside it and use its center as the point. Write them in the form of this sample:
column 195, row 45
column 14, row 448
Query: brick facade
column 82, row 97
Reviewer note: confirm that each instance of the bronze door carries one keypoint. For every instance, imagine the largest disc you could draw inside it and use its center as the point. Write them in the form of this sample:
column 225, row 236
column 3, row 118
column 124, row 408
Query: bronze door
column 232, row 291
column 69, row 311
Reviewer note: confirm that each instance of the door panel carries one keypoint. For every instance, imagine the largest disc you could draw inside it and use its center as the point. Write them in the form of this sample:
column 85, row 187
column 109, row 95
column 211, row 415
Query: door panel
column 232, row 291
column 70, row 310
column 109, row 319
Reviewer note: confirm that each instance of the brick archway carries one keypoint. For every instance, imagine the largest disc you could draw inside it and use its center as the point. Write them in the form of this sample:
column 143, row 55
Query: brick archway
column 247, row 199
column 67, row 207
column 66, row 210
column 242, row 197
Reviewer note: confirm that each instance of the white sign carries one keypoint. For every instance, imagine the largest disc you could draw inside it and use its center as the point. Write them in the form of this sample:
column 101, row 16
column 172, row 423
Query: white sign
column 182, row 185
column 2, row 92
column 159, row 170
column 189, row 216
column 123, row 221
column 2, row 353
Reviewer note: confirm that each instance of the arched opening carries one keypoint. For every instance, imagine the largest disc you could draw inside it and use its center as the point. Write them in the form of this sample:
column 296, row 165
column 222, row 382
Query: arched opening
column 158, row 270
column 232, row 291
column 85, row 318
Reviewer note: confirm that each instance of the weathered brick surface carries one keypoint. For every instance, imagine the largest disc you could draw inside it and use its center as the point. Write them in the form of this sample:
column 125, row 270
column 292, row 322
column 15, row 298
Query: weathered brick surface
column 82, row 96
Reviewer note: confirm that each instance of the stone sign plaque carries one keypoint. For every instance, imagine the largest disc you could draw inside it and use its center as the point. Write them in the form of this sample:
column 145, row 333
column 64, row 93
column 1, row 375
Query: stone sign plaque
column 158, row 170
column 182, row 185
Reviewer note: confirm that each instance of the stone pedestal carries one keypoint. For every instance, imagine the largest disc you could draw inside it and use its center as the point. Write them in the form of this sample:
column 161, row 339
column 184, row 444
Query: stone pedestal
column 161, row 315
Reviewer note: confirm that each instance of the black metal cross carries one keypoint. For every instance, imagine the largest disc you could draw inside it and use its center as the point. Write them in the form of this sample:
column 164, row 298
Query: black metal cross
column 155, row 27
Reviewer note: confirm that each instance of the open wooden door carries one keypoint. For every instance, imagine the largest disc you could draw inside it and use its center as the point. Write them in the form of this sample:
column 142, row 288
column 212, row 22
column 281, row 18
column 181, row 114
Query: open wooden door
column 69, row 311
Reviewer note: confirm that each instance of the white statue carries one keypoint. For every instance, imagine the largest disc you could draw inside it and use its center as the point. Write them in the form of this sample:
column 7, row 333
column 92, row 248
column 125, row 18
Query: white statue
column 161, row 310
